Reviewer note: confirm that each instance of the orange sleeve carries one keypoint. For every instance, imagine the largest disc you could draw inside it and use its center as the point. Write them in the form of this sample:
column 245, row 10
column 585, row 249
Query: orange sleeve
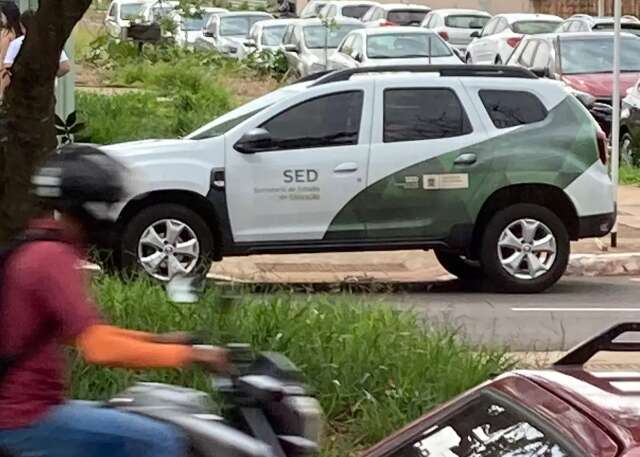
column 112, row 346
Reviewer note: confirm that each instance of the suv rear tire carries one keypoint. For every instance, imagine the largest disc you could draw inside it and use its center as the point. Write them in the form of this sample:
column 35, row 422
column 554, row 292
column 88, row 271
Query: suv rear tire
column 172, row 233
column 458, row 266
column 525, row 249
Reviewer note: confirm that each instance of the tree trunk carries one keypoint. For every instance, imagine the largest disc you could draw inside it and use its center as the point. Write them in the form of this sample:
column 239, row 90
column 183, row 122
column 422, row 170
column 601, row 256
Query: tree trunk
column 27, row 132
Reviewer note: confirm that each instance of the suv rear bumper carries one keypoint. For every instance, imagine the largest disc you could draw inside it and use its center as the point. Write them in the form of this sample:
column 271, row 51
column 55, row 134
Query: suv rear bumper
column 596, row 226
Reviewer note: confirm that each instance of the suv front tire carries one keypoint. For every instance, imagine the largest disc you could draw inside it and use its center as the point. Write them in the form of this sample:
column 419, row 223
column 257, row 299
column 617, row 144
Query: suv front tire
column 525, row 249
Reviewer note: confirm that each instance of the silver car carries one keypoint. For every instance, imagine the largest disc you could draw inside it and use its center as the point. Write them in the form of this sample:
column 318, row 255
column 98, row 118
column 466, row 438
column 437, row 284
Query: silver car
column 392, row 46
column 267, row 35
column 226, row 33
column 456, row 25
column 309, row 42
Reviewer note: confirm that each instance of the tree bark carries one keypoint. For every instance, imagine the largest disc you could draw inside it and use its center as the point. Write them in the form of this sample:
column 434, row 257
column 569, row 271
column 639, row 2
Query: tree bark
column 27, row 131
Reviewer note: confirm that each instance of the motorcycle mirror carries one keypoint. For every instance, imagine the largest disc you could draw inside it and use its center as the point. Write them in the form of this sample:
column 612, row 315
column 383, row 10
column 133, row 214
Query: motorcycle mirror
column 183, row 289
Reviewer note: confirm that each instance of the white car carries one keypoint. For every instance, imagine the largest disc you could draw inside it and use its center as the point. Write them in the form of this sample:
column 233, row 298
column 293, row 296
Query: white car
column 226, row 33
column 495, row 171
column 392, row 46
column 189, row 29
column 312, row 9
column 121, row 14
column 154, row 11
column 390, row 14
column 267, row 35
column 456, row 26
column 308, row 43
column 503, row 33
column 336, row 9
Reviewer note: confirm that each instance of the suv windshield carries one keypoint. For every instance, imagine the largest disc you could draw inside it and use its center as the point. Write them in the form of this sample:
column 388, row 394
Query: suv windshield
column 467, row 21
column 406, row 17
column 535, row 27
column 314, row 35
column 220, row 128
column 191, row 24
column 596, row 55
column 406, row 45
column 238, row 25
column 355, row 11
column 130, row 10
column 272, row 36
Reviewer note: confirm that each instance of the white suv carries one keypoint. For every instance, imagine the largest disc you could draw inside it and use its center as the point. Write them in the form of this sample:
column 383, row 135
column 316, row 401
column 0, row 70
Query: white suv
column 494, row 169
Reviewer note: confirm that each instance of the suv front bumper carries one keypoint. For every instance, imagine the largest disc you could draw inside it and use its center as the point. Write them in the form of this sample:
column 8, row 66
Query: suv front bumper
column 596, row 226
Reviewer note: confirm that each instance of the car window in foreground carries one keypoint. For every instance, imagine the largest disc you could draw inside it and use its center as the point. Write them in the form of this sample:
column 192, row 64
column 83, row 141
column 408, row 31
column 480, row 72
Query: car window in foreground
column 317, row 123
column 486, row 427
column 510, row 108
column 355, row 11
column 596, row 55
column 406, row 45
column 406, row 17
column 272, row 36
column 423, row 114
column 535, row 27
column 467, row 21
column 314, row 35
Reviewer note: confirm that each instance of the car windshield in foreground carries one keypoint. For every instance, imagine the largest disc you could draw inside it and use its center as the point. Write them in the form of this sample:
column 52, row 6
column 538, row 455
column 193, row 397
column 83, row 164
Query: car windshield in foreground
column 272, row 36
column 315, row 36
column 406, row 45
column 596, row 55
column 535, row 27
column 466, row 21
column 131, row 10
column 220, row 128
column 406, row 17
column 355, row 11
column 238, row 25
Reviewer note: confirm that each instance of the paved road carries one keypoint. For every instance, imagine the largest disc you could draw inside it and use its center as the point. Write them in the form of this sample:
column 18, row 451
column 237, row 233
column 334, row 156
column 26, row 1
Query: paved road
column 574, row 309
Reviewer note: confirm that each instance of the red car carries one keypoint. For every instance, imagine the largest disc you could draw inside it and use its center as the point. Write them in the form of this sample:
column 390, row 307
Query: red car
column 564, row 411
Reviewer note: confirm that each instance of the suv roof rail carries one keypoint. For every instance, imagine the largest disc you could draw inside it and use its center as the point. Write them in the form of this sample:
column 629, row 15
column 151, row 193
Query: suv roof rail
column 605, row 341
column 495, row 71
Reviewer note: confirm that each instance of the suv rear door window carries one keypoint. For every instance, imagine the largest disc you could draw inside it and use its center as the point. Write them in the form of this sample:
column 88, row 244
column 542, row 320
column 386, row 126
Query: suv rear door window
column 317, row 123
column 423, row 114
column 509, row 108
column 355, row 11
column 488, row 427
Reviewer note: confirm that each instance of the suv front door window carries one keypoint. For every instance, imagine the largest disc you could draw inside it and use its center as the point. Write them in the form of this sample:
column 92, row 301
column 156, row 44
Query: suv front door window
column 316, row 163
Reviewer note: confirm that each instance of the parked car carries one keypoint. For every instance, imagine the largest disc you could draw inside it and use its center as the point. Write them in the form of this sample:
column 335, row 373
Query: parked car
column 585, row 23
column 156, row 10
column 566, row 410
column 495, row 169
column 120, row 15
column 392, row 46
column 226, row 33
column 584, row 62
column 312, row 9
column 308, row 43
column 190, row 29
column 267, row 35
column 503, row 33
column 390, row 14
column 345, row 8
column 630, row 127
column 456, row 25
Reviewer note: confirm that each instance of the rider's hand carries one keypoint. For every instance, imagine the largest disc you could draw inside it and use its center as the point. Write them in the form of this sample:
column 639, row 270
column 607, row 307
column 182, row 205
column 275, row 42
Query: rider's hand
column 185, row 338
column 212, row 357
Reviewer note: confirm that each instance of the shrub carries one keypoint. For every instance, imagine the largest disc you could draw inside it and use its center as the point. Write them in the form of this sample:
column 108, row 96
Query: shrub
column 373, row 368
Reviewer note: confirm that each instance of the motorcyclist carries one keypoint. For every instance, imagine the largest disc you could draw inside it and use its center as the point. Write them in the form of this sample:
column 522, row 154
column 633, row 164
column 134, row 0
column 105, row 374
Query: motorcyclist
column 45, row 303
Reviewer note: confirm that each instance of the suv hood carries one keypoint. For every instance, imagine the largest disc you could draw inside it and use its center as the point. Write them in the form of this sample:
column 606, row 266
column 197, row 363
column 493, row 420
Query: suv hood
column 600, row 85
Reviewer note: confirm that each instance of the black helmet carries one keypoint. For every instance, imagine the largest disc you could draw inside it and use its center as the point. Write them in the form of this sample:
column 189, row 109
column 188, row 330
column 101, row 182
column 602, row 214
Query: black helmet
column 77, row 176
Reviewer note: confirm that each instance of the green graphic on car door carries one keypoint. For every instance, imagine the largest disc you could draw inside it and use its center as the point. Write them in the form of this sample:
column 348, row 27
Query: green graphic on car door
column 408, row 204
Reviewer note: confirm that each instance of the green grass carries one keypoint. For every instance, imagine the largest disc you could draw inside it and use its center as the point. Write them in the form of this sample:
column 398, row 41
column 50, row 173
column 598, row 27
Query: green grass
column 374, row 368
column 629, row 175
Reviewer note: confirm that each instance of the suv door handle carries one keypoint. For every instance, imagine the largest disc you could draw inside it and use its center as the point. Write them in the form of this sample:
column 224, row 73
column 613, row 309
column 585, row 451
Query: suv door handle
column 347, row 167
column 466, row 159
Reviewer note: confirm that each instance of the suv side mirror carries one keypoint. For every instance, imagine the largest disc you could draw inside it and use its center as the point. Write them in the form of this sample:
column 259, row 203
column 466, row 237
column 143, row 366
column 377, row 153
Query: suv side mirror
column 209, row 34
column 358, row 57
column 253, row 141
column 540, row 72
column 291, row 48
column 476, row 34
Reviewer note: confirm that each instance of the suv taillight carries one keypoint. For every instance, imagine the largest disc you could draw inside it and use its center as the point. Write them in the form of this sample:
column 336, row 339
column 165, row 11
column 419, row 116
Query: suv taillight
column 444, row 35
column 514, row 41
column 603, row 148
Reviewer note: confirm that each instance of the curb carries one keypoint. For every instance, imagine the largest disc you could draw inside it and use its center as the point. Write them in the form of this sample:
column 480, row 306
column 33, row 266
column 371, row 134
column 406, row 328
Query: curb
column 604, row 264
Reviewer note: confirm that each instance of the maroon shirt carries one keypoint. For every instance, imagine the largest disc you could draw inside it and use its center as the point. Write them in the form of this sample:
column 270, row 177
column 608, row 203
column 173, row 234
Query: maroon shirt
column 41, row 286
